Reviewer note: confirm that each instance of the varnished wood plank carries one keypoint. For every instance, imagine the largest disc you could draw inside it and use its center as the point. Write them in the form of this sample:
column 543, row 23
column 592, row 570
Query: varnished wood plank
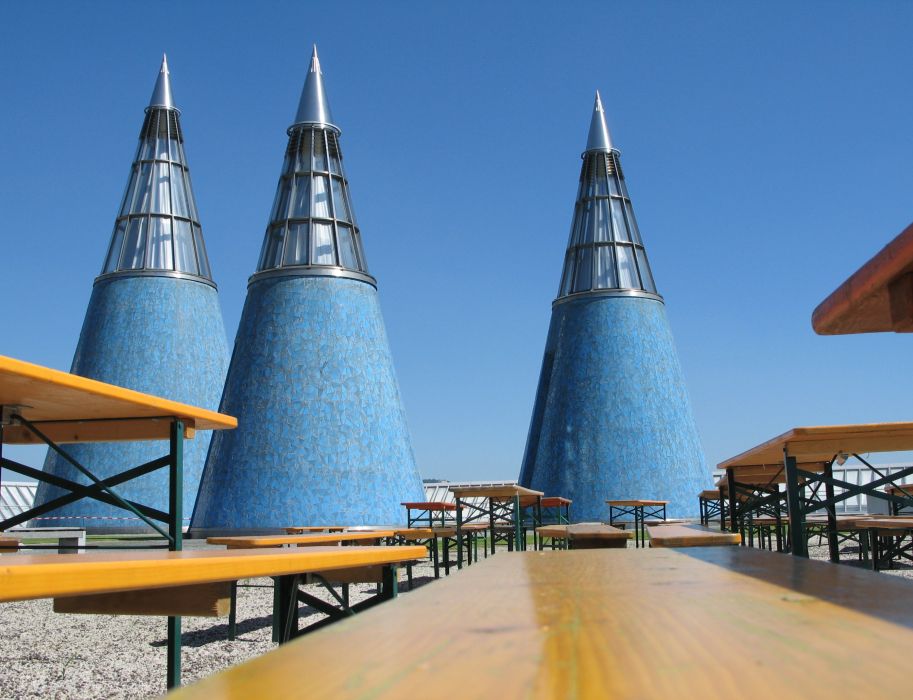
column 636, row 502
column 874, row 297
column 821, row 443
column 429, row 505
column 202, row 600
column 701, row 623
column 302, row 529
column 8, row 544
column 24, row 576
column 46, row 394
column 249, row 541
column 493, row 491
column 690, row 536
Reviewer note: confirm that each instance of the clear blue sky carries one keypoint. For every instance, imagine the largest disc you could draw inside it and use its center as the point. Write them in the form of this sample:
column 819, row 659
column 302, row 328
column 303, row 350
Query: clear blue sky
column 767, row 149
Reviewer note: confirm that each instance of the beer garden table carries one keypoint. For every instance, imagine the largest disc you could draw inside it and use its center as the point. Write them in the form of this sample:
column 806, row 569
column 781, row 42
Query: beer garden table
column 803, row 459
column 39, row 405
column 497, row 502
column 640, row 510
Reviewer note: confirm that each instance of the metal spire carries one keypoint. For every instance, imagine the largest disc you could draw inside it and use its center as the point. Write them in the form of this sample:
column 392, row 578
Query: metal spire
column 161, row 93
column 598, row 139
column 314, row 108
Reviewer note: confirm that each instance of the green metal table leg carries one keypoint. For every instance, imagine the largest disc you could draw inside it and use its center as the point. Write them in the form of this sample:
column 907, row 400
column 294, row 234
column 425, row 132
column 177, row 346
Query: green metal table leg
column 174, row 653
column 459, row 535
column 233, row 613
column 796, row 517
column 518, row 525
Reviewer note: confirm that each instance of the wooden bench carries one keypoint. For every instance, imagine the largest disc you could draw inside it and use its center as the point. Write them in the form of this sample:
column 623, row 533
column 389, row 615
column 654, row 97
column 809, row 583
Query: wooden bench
column 658, row 623
column 194, row 583
column 341, row 578
column 304, row 529
column 677, row 535
column 8, row 544
column 304, row 540
column 585, row 535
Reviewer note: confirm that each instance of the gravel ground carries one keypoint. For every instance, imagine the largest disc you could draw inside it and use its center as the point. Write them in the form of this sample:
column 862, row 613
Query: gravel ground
column 106, row 656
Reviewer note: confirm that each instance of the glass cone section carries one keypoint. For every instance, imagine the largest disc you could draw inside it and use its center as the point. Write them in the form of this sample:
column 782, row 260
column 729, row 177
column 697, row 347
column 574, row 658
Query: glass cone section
column 312, row 229
column 605, row 251
column 158, row 229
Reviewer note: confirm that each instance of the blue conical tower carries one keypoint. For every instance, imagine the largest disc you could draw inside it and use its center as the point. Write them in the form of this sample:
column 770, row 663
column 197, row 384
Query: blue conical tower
column 153, row 324
column 322, row 436
column 611, row 419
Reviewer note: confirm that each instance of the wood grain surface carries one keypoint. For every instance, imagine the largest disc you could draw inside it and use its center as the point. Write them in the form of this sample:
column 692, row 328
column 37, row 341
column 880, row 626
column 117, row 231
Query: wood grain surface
column 714, row 622
column 253, row 541
column 56, row 399
column 690, row 536
column 28, row 576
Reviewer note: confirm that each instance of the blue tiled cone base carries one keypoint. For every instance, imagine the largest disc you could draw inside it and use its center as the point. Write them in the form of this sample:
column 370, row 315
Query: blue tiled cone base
column 612, row 419
column 162, row 336
column 322, row 436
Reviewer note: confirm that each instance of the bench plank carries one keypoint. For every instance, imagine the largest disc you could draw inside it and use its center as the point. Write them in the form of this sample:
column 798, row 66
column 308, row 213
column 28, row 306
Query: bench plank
column 202, row 600
column 29, row 576
column 690, row 536
column 254, row 541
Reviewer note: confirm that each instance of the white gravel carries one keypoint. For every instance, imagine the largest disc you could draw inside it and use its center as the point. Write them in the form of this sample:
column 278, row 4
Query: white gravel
column 45, row 655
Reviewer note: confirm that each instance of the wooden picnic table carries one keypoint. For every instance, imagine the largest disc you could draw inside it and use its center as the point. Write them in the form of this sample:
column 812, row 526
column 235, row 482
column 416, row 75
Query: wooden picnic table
column 429, row 512
column 804, row 458
column 156, row 582
column 698, row 623
column 877, row 297
column 501, row 503
column 39, row 405
column 640, row 509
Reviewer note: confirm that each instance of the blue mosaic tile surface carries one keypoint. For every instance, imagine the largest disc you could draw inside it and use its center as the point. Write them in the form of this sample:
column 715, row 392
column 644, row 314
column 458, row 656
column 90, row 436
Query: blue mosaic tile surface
column 612, row 418
column 161, row 336
column 322, row 437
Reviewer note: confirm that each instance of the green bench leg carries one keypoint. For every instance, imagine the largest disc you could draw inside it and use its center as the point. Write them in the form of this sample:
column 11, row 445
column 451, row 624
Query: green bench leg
column 173, row 679
column 233, row 613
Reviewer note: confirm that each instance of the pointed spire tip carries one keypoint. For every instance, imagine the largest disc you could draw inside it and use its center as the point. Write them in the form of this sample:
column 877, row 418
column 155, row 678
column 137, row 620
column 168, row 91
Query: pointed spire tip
column 314, row 108
column 161, row 93
column 598, row 139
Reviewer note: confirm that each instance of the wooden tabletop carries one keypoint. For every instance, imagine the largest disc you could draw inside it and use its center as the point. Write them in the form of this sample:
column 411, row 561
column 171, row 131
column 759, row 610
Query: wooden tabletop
column 900, row 490
column 429, row 505
column 819, row 444
column 249, row 541
column 493, row 491
column 299, row 529
column 69, row 408
column 709, row 494
column 29, row 576
column 874, row 298
column 700, row 623
column 636, row 502
column 898, row 523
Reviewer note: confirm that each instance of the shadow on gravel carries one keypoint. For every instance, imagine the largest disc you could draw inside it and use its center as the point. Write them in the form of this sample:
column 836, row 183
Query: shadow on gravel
column 219, row 633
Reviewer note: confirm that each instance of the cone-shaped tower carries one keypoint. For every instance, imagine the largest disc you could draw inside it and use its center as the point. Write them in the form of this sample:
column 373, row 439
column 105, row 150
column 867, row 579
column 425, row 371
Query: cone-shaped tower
column 322, row 436
column 612, row 419
column 153, row 322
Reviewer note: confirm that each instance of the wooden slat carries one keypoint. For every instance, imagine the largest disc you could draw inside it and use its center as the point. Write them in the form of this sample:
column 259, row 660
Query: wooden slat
column 8, row 544
column 24, row 576
column 253, row 541
column 714, row 622
column 874, row 298
column 690, row 536
column 105, row 431
column 429, row 505
column 203, row 600
column 492, row 491
column 636, row 502
column 302, row 529
column 821, row 443
column 424, row 533
column 46, row 394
